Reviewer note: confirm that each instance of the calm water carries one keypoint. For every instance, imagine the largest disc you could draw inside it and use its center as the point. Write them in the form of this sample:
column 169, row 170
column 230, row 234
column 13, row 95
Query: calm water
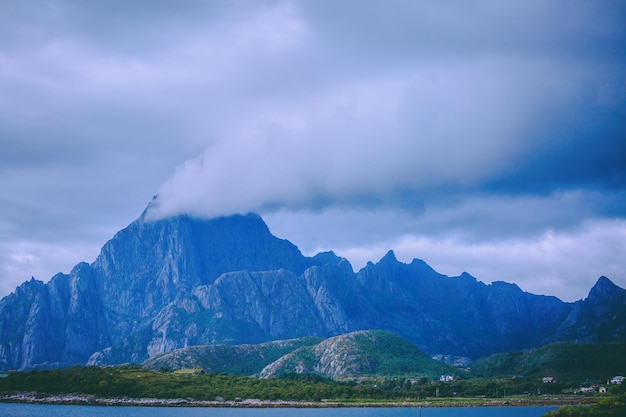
column 37, row 410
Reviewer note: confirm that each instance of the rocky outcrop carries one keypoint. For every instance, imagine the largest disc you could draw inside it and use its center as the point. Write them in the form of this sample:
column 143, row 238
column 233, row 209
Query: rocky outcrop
column 233, row 359
column 356, row 354
column 162, row 285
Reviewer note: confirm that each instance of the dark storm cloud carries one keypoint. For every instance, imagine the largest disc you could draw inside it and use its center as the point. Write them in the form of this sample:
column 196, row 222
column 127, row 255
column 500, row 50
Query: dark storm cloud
column 484, row 125
column 418, row 100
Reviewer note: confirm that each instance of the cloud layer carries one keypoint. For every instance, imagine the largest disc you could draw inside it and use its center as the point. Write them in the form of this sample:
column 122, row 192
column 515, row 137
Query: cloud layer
column 474, row 128
column 497, row 109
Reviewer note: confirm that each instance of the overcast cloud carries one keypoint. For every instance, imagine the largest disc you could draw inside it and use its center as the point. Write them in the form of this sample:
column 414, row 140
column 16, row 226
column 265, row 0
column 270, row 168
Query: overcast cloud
column 487, row 137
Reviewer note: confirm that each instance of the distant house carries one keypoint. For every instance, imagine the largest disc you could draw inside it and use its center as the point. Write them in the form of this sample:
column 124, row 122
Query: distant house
column 446, row 378
column 602, row 390
column 547, row 379
column 190, row 371
column 617, row 379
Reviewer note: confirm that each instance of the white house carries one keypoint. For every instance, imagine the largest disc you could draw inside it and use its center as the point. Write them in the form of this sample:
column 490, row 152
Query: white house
column 617, row 379
column 446, row 378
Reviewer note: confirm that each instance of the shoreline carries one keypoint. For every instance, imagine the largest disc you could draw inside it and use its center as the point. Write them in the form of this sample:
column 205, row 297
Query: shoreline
column 80, row 399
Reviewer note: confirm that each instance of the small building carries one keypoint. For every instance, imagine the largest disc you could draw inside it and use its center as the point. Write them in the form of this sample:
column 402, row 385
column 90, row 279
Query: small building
column 190, row 371
column 446, row 378
column 617, row 379
column 547, row 379
column 602, row 390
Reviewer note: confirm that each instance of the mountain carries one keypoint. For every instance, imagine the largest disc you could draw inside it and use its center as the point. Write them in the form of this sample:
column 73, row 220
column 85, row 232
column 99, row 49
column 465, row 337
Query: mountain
column 162, row 285
column 443, row 315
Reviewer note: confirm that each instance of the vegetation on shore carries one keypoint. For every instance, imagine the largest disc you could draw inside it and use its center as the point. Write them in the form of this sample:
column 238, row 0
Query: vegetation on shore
column 567, row 362
column 119, row 382
column 614, row 406
column 360, row 368
column 135, row 382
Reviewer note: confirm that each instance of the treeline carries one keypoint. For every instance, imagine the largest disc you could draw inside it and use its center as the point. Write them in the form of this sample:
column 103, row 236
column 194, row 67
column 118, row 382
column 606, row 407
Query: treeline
column 125, row 382
column 135, row 382
column 566, row 361
column 482, row 387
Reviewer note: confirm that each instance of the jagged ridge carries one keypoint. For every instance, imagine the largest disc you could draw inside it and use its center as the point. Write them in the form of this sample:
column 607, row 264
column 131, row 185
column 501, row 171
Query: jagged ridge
column 158, row 286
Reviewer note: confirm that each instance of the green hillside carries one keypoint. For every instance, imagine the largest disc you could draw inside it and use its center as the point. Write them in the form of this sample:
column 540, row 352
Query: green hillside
column 241, row 360
column 353, row 355
column 564, row 361
column 360, row 354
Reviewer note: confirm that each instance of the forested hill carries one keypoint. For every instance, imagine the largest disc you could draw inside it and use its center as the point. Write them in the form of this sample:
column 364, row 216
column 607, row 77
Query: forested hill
column 563, row 361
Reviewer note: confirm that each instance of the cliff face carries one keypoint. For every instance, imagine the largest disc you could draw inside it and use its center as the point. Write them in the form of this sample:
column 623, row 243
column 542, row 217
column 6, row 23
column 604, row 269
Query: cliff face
column 151, row 263
column 56, row 324
column 601, row 317
column 159, row 286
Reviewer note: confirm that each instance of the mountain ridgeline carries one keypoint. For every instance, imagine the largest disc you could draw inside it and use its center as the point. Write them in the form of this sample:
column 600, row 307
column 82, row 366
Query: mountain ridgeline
column 162, row 285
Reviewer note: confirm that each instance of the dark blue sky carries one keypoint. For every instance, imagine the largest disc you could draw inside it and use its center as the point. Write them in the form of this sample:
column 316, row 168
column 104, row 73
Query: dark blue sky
column 487, row 137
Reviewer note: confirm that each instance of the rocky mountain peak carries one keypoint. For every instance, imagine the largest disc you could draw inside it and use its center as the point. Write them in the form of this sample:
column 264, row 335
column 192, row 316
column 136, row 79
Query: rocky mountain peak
column 389, row 258
column 181, row 248
column 605, row 290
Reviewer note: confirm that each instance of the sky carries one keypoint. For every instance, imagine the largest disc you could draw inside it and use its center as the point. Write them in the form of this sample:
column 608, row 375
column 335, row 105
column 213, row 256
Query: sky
column 480, row 136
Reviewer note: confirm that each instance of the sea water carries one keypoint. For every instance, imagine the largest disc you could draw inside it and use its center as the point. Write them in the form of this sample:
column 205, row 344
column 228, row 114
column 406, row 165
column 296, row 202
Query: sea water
column 41, row 410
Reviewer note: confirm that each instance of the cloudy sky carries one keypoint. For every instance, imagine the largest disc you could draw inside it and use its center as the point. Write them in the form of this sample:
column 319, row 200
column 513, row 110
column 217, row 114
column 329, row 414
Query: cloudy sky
column 487, row 137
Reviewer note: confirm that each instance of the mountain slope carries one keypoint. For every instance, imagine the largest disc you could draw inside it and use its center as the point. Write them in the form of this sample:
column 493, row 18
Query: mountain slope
column 563, row 360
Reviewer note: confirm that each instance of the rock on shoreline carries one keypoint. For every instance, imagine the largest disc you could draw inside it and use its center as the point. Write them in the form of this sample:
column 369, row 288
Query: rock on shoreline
column 81, row 399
